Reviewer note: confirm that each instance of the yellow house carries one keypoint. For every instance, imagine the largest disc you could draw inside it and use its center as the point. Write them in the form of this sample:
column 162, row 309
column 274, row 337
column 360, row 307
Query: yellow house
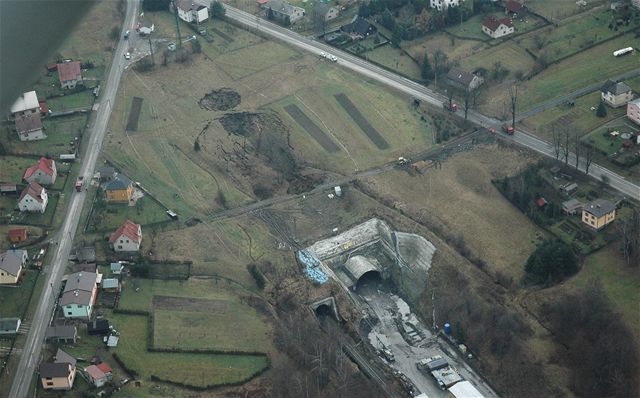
column 12, row 264
column 59, row 374
column 598, row 213
column 119, row 189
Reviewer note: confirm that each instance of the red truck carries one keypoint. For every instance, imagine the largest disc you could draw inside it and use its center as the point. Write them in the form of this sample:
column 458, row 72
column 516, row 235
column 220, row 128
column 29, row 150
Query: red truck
column 79, row 184
column 508, row 129
column 450, row 106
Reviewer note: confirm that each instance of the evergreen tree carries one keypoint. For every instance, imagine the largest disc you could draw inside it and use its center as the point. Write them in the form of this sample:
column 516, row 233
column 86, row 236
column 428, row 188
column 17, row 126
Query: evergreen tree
column 602, row 110
column 427, row 70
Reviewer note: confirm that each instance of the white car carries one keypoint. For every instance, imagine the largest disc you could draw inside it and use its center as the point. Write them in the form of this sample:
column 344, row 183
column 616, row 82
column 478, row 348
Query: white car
column 333, row 58
column 127, row 55
column 323, row 54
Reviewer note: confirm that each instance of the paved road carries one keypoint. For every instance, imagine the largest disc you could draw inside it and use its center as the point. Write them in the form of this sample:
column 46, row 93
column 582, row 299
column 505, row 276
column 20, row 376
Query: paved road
column 417, row 90
column 30, row 358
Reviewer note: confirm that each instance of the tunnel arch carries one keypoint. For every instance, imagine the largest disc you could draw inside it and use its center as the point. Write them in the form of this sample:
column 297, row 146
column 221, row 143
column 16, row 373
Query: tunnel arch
column 358, row 266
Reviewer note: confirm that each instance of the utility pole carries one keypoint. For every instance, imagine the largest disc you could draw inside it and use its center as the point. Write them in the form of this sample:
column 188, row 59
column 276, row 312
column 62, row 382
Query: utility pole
column 175, row 12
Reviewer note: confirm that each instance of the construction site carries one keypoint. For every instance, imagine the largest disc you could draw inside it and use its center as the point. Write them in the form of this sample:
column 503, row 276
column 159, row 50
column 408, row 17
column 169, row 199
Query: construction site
column 377, row 266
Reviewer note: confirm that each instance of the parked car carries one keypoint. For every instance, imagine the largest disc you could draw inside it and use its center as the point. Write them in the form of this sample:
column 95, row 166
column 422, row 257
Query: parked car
column 333, row 58
column 127, row 55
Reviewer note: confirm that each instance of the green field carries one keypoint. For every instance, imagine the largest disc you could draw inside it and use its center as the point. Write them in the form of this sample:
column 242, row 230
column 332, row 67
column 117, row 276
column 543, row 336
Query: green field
column 71, row 101
column 60, row 131
column 394, row 59
column 13, row 168
column 14, row 300
column 109, row 216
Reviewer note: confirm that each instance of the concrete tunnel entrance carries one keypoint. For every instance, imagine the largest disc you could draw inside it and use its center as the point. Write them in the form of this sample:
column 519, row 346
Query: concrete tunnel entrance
column 368, row 282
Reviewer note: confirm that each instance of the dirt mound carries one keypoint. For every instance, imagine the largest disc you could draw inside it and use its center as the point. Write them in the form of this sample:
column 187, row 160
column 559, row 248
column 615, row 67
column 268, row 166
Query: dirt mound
column 220, row 100
column 247, row 124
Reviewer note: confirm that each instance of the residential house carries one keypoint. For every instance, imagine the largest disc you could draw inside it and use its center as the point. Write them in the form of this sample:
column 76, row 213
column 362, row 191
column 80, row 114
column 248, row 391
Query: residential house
column 44, row 172
column 111, row 285
column 29, row 127
column 568, row 188
column 17, row 235
column 9, row 326
column 616, row 94
column 62, row 333
column 571, row 206
column 633, row 110
column 96, row 375
column 86, row 254
column 69, row 74
column 57, row 375
column 636, row 4
column 497, row 28
column 119, row 189
column 12, row 263
column 444, row 4
column 463, row 79
column 33, row 198
column 598, row 213
column 282, row 11
column 106, row 173
column 359, row 28
column 79, row 295
column 191, row 11
column 27, row 104
column 513, row 8
column 117, row 268
column 127, row 237
column 325, row 11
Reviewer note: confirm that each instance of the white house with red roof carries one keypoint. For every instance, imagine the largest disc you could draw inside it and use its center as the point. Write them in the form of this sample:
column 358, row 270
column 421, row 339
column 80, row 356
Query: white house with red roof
column 69, row 74
column 497, row 28
column 33, row 198
column 44, row 172
column 127, row 238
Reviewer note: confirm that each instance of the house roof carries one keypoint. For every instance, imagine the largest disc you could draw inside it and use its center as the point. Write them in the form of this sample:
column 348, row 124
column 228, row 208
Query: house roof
column 541, row 202
column 95, row 373
column 63, row 357
column 615, row 88
column 11, row 261
column 76, row 297
column 599, row 207
column 571, row 204
column 110, row 283
column 128, row 229
column 26, row 101
column 17, row 232
column 120, row 181
column 61, row 332
column 52, row 370
column 116, row 267
column 9, row 324
column 104, row 368
column 460, row 76
column 81, row 281
column 513, row 6
column 358, row 25
column 44, row 108
column 45, row 165
column 493, row 24
column 69, row 70
column 34, row 190
column 188, row 5
column 25, row 124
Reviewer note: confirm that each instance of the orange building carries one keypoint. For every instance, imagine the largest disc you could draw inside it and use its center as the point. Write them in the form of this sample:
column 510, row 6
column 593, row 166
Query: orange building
column 119, row 189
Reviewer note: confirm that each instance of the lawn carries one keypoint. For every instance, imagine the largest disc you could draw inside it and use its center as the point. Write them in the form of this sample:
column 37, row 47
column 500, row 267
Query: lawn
column 13, row 168
column 472, row 28
column 509, row 54
column 456, row 49
column 601, row 139
column 109, row 216
column 620, row 282
column 588, row 67
column 573, row 36
column 82, row 99
column 579, row 118
column 32, row 233
column 559, row 9
column 394, row 59
column 60, row 131
column 14, row 300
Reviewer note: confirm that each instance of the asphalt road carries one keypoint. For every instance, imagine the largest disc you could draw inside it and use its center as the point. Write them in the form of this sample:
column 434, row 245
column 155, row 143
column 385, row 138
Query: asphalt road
column 418, row 91
column 31, row 352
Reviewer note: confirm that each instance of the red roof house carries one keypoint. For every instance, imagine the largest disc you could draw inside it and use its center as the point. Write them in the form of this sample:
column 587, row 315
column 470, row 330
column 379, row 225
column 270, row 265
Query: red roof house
column 69, row 74
column 44, row 109
column 497, row 27
column 44, row 172
column 106, row 369
column 33, row 198
column 513, row 7
column 541, row 202
column 17, row 235
column 127, row 238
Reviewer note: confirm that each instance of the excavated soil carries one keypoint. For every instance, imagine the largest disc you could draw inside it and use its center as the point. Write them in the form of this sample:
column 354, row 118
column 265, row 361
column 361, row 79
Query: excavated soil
column 247, row 124
column 220, row 100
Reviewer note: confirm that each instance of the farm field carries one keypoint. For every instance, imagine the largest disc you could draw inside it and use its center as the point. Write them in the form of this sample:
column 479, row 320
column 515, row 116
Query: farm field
column 188, row 368
column 468, row 205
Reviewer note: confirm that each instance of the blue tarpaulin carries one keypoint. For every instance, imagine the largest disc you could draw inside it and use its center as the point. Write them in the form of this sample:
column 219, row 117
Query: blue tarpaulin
column 312, row 267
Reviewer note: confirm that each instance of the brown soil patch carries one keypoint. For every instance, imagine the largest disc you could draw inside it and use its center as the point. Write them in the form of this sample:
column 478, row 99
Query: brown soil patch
column 220, row 100
column 247, row 124
column 188, row 304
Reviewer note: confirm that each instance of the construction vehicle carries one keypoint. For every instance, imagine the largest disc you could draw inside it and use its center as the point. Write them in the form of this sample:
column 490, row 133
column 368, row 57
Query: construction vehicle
column 508, row 129
column 450, row 106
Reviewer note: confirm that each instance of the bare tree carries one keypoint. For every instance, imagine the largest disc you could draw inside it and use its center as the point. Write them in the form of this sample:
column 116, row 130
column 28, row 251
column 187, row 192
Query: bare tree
column 566, row 150
column 576, row 147
column 513, row 93
column 470, row 99
column 629, row 230
column 588, row 156
column 439, row 63
column 557, row 143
